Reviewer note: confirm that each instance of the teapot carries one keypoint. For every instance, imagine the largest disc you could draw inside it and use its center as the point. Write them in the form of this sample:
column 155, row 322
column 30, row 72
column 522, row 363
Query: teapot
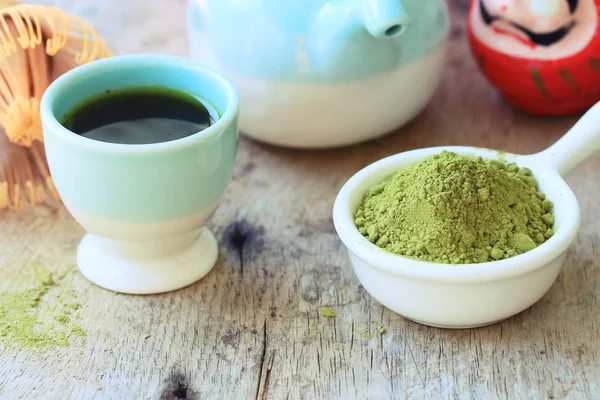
column 323, row 73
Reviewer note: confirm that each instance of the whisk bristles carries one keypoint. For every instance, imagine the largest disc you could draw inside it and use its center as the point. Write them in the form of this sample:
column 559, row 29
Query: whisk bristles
column 37, row 44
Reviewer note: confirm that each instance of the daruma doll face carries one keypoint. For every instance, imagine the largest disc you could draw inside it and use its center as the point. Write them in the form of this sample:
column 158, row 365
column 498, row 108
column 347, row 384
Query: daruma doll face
column 535, row 29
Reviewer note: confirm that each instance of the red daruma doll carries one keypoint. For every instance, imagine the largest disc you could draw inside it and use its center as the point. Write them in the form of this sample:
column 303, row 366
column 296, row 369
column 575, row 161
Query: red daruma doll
column 542, row 55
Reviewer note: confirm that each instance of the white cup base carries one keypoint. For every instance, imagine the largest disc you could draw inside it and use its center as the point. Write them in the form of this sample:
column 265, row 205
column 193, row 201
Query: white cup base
column 125, row 272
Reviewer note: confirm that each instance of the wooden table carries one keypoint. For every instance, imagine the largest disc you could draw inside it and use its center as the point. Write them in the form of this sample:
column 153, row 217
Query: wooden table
column 251, row 328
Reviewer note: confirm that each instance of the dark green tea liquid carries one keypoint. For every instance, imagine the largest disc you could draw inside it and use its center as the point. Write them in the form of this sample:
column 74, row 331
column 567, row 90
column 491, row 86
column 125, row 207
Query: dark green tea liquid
column 138, row 116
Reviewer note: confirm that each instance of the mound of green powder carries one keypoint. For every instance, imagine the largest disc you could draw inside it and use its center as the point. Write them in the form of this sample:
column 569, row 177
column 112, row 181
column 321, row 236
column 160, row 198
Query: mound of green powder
column 34, row 319
column 455, row 209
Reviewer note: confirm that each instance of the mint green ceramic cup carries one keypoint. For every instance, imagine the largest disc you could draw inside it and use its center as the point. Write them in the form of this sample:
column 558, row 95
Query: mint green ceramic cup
column 143, row 206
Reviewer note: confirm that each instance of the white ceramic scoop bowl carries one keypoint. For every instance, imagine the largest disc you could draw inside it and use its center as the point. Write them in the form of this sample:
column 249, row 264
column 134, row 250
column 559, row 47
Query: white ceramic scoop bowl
column 469, row 295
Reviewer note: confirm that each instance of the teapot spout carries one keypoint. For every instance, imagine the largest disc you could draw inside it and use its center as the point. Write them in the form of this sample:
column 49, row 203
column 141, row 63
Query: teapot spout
column 384, row 19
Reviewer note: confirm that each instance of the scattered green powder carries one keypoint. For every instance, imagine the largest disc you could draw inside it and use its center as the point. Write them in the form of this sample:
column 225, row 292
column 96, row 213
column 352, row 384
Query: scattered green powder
column 327, row 312
column 77, row 330
column 455, row 209
column 367, row 335
column 33, row 319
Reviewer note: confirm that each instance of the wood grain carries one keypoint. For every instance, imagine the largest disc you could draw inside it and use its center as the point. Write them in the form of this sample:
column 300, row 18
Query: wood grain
column 252, row 329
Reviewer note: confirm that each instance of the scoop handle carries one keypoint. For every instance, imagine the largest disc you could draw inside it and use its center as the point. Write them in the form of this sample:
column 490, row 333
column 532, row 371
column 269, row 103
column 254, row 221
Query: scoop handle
column 579, row 143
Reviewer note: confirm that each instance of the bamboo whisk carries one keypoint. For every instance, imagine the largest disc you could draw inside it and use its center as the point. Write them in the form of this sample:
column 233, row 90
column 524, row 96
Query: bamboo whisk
column 37, row 44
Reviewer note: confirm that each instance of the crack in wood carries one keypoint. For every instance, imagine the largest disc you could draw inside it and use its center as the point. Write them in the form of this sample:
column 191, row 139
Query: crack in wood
column 268, row 376
column 262, row 360
column 352, row 338
column 416, row 366
column 335, row 329
column 266, row 366
column 319, row 361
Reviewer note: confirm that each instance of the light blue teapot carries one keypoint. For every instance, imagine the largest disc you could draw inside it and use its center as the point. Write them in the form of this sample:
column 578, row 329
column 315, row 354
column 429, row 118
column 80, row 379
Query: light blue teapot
column 323, row 73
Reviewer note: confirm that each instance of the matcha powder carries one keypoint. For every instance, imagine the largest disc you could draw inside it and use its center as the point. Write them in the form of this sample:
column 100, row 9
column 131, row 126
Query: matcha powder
column 33, row 318
column 455, row 209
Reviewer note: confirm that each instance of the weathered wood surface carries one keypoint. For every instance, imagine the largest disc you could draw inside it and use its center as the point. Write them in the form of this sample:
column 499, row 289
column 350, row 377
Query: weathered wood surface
column 251, row 328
